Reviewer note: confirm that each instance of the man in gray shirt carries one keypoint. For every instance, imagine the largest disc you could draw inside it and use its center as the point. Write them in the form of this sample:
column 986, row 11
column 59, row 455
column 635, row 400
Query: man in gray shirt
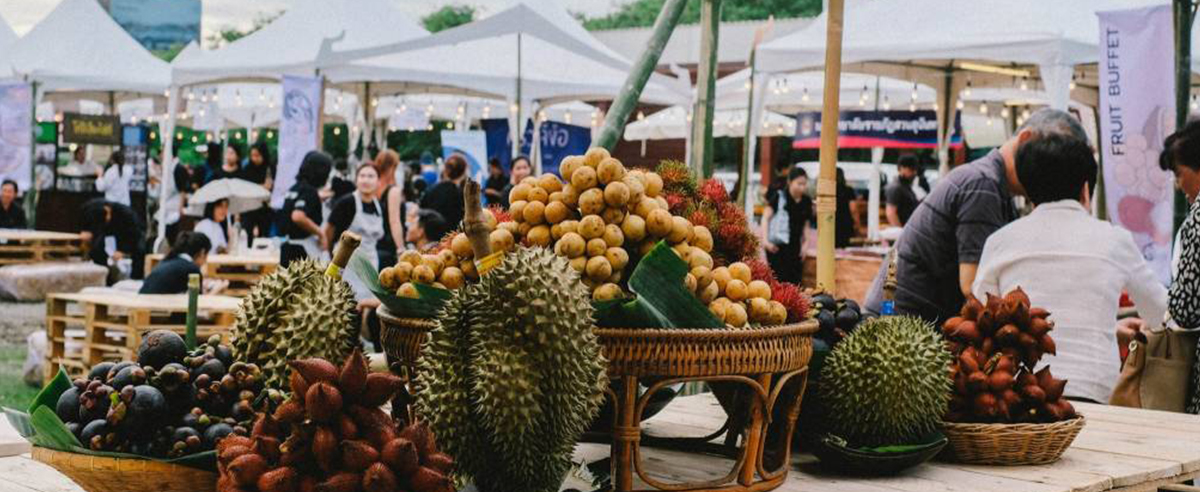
column 939, row 250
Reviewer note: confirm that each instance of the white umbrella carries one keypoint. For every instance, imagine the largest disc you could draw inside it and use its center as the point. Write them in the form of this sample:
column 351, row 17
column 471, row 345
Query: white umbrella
column 243, row 196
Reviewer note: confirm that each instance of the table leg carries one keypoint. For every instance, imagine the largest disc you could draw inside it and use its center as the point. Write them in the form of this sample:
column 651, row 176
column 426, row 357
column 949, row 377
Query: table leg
column 625, row 434
column 754, row 434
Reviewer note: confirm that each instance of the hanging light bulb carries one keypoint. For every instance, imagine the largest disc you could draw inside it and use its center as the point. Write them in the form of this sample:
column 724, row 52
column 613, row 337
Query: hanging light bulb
column 804, row 94
column 747, row 85
column 567, row 117
column 914, row 93
column 215, row 97
column 887, row 105
column 1072, row 85
column 967, row 90
column 1004, row 112
column 983, row 108
column 866, row 93
column 450, row 125
column 179, row 136
column 1024, row 84
column 959, row 105
column 689, row 117
column 337, row 130
column 254, row 135
column 1195, row 104
column 195, row 139
column 403, row 108
column 134, row 120
column 786, row 88
column 935, row 106
column 542, row 115
column 167, row 93
column 989, row 122
column 58, row 117
column 1025, row 114
column 512, row 109
column 204, row 98
column 862, row 102
column 153, row 135
column 641, row 116
column 374, row 101
column 912, row 107
column 429, row 127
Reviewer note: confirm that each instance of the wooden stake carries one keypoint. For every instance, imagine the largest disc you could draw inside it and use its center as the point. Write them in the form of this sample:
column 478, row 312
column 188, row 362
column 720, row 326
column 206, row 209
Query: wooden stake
column 827, row 182
column 706, row 87
column 193, row 305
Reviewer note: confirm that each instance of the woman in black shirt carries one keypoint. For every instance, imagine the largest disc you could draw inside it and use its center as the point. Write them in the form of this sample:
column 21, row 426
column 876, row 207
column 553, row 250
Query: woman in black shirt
column 302, row 210
column 258, row 171
column 187, row 256
column 497, row 181
column 446, row 197
column 786, row 257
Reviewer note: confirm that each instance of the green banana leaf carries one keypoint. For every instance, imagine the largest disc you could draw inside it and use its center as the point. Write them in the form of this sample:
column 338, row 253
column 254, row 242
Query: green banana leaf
column 42, row 427
column 427, row 306
column 661, row 300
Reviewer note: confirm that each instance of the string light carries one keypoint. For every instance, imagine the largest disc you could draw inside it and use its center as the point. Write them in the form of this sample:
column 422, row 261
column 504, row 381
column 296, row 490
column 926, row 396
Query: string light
column 153, row 135
column 215, row 97
column 887, row 105
column 1004, row 112
column 989, row 122
column 567, row 117
column 337, row 130
column 914, row 93
column 641, row 116
column 959, row 105
column 804, row 94
column 912, row 107
column 866, row 93
column 450, row 125
column 967, row 91
column 374, row 101
column 270, row 134
column 1195, row 104
column 983, row 108
column 1024, row 84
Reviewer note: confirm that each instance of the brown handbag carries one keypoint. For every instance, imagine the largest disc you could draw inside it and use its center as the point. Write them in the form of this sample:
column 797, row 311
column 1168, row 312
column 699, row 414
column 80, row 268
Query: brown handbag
column 1157, row 372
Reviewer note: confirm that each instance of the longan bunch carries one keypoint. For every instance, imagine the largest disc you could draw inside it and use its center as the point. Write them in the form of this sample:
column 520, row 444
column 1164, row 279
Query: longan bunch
column 443, row 270
column 733, row 296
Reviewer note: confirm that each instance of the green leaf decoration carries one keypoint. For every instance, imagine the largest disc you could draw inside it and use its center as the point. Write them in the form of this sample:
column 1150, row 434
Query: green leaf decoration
column 426, row 306
column 658, row 283
column 42, row 427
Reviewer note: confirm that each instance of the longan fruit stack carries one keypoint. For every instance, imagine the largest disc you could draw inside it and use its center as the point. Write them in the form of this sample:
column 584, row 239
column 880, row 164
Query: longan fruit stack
column 443, row 270
column 734, row 297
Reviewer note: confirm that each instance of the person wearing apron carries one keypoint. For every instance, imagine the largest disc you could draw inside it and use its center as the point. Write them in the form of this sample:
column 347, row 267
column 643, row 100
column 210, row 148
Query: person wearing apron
column 360, row 213
column 302, row 214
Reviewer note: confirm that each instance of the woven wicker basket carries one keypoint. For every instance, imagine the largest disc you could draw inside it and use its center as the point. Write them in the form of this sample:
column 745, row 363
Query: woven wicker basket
column 706, row 352
column 402, row 337
column 1010, row 444
column 104, row 474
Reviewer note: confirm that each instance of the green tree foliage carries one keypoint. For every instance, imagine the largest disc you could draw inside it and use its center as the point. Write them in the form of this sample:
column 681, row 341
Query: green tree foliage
column 228, row 34
column 448, row 16
column 170, row 53
column 642, row 13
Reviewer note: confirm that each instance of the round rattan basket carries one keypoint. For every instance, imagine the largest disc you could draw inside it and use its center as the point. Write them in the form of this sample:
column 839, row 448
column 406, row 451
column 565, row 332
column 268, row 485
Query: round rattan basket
column 104, row 474
column 678, row 352
column 1010, row 444
column 402, row 337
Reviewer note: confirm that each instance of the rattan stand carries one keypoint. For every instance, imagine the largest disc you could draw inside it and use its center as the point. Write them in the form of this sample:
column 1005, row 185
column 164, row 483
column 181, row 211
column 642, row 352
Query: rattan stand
column 402, row 339
column 768, row 366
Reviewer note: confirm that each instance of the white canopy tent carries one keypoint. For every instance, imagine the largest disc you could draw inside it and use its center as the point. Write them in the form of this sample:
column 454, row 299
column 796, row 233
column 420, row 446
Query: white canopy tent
column 7, row 38
column 789, row 93
column 675, row 122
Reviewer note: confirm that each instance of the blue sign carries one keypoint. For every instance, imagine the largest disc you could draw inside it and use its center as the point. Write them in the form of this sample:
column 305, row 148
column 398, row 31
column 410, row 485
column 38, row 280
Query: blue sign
column 558, row 141
column 865, row 129
column 499, row 144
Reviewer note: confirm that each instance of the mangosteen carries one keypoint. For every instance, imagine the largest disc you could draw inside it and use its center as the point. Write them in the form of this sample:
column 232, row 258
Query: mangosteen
column 224, row 354
column 99, row 371
column 847, row 318
column 182, row 434
column 94, row 428
column 67, row 407
column 94, row 403
column 213, row 368
column 148, row 406
column 74, row 427
column 824, row 301
column 852, row 304
column 216, row 432
column 129, row 375
column 161, row 347
column 826, row 320
column 116, row 369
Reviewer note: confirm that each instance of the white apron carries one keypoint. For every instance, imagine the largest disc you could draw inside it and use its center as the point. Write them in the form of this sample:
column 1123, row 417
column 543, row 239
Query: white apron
column 370, row 228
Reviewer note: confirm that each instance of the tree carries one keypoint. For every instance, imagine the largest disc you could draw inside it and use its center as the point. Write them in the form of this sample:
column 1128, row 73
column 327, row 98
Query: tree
column 229, row 34
column 448, row 16
column 169, row 54
column 641, row 13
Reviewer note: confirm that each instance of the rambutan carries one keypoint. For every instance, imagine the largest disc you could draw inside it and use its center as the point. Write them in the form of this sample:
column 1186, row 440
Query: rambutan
column 676, row 203
column 792, row 298
column 500, row 213
column 714, row 191
column 676, row 176
column 760, row 270
column 701, row 216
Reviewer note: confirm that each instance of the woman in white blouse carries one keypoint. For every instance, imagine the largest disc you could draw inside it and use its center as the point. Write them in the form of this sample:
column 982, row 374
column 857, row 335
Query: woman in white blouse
column 214, row 225
column 114, row 181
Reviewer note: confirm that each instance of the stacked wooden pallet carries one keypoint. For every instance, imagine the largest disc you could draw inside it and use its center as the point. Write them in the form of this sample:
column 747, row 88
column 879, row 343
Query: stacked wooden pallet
column 23, row 246
column 85, row 329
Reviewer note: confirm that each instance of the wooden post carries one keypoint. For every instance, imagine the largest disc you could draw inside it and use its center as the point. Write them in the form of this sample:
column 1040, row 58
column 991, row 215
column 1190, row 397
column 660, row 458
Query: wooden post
column 1185, row 12
column 827, row 182
column 706, row 85
column 618, row 113
column 746, row 170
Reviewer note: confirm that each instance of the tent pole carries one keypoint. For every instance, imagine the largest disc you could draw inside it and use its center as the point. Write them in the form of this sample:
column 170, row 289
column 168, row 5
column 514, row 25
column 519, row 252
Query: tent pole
column 1184, row 15
column 31, row 197
column 827, row 183
column 167, row 180
column 752, row 121
column 706, row 83
column 622, row 106
column 945, row 113
column 517, row 133
column 873, row 186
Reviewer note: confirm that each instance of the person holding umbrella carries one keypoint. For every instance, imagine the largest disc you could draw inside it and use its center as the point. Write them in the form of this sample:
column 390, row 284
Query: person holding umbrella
column 214, row 227
column 217, row 201
column 302, row 214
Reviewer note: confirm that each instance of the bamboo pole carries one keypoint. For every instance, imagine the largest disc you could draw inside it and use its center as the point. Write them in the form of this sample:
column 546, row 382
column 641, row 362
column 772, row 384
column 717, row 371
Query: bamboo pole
column 193, row 304
column 706, row 85
column 618, row 113
column 1184, row 13
column 827, row 183
column 746, row 170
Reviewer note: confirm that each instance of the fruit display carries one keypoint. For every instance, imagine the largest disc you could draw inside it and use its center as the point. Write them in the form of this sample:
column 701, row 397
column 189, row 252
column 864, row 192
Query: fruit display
column 887, row 382
column 997, row 346
column 167, row 404
column 837, row 318
column 449, row 266
column 294, row 313
column 331, row 435
column 513, row 375
column 732, row 294
column 707, row 203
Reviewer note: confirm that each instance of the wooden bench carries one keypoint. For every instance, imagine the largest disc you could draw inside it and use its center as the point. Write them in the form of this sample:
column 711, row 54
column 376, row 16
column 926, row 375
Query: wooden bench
column 242, row 271
column 26, row 246
column 85, row 329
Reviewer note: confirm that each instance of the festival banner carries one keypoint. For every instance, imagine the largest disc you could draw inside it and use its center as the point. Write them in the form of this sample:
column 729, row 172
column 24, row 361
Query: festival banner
column 558, row 141
column 98, row 129
column 472, row 144
column 16, row 133
column 1137, row 111
column 298, row 127
column 866, row 129
column 499, row 141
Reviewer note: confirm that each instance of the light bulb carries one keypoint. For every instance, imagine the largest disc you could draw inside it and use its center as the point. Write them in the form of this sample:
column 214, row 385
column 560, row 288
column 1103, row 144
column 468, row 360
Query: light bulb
column 153, row 135
column 887, row 105
column 989, row 122
column 912, row 106
column 270, row 134
column 1004, row 112
column 983, row 108
column 1024, row 85
column 337, row 130
column 567, row 117
column 1072, row 84
column 804, row 96
column 959, row 105
column 641, row 116
column 967, row 91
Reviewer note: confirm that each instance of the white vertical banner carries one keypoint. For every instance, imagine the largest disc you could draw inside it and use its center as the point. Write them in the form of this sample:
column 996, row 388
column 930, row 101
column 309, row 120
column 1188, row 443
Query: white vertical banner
column 1137, row 111
column 472, row 144
column 16, row 133
column 298, row 130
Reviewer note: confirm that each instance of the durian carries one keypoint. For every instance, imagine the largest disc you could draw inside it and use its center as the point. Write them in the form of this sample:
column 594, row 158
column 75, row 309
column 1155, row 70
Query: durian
column 512, row 374
column 296, row 312
column 888, row 382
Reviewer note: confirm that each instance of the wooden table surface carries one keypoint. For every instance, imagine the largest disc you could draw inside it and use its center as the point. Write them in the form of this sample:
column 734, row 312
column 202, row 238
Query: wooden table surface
column 229, row 260
column 32, row 235
column 164, row 302
column 1119, row 449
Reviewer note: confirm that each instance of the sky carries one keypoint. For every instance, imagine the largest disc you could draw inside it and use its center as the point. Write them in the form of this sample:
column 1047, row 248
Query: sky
column 23, row 14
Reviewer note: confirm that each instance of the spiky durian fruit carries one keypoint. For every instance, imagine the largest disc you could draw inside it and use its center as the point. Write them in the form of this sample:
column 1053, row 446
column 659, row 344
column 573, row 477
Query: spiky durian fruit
column 513, row 374
column 888, row 382
column 294, row 313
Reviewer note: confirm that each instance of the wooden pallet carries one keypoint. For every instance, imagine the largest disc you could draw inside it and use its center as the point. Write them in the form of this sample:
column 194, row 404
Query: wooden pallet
column 89, row 328
column 19, row 246
column 242, row 271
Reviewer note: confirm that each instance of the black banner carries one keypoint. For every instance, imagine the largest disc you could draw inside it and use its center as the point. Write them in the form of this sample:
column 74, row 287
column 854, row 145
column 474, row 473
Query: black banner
column 91, row 129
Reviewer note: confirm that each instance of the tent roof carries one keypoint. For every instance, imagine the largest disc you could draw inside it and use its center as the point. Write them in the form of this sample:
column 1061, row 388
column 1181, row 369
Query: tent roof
column 79, row 47
column 7, row 36
column 559, row 59
column 789, row 93
column 291, row 43
column 674, row 122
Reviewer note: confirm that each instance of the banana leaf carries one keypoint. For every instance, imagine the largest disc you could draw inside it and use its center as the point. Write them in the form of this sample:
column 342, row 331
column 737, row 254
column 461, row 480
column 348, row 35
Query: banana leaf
column 430, row 301
column 661, row 300
column 42, row 427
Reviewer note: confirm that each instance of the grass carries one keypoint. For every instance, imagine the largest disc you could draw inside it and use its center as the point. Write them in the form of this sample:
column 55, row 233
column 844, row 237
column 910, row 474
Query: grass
column 14, row 392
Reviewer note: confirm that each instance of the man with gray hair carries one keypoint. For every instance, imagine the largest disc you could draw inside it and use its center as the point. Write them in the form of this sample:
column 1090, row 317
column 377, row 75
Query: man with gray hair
column 938, row 253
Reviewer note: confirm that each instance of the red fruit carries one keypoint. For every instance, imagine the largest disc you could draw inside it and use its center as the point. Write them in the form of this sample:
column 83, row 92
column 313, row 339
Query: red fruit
column 379, row 436
column 429, row 480
column 234, row 440
column 971, row 309
column 297, row 383
column 1005, row 363
column 291, row 411
column 401, row 455
column 308, row 483
column 421, row 437
column 994, row 305
column 1000, row 381
column 228, row 454
column 1017, row 297
column 1038, row 313
column 1047, row 345
column 792, row 298
column 1067, row 408
column 440, row 462
column 341, row 482
column 968, row 360
column 1026, row 341
column 960, row 384
column 1033, row 393
column 266, row 425
column 1040, row 326
column 985, row 405
column 967, row 332
column 346, row 428
column 977, row 381
column 315, row 370
column 282, row 479
column 714, row 191
column 378, row 478
column 358, row 455
column 226, row 484
column 268, row 447
column 950, row 324
column 294, row 451
column 325, row 448
column 1027, row 379
column 368, row 418
column 353, row 378
column 1008, row 334
column 246, row 469
column 322, row 402
column 1011, row 398
column 380, row 387
column 988, row 347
